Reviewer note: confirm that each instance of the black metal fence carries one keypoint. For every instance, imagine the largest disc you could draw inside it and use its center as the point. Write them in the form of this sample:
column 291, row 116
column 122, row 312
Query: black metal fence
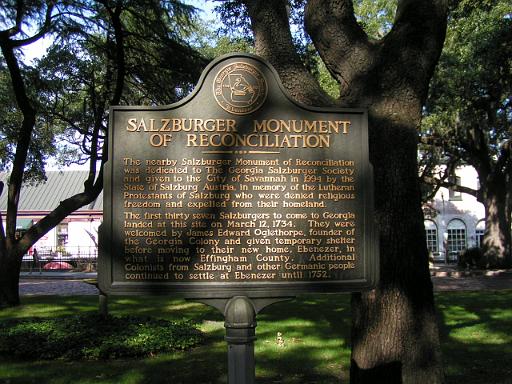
column 82, row 259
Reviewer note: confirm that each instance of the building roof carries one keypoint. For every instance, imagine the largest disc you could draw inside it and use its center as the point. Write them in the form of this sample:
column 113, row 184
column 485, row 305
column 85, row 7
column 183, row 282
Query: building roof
column 46, row 196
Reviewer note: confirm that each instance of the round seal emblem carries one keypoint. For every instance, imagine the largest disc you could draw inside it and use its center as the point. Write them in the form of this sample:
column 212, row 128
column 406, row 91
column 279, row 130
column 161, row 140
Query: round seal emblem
column 240, row 88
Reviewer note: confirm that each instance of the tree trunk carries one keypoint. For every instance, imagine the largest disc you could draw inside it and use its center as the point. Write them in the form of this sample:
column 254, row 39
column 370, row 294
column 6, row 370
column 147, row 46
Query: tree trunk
column 10, row 252
column 395, row 337
column 10, row 265
column 497, row 240
column 394, row 328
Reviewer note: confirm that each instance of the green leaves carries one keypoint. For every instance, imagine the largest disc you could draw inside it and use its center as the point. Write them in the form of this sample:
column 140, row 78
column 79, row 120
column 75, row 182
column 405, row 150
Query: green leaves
column 376, row 17
column 472, row 86
column 92, row 337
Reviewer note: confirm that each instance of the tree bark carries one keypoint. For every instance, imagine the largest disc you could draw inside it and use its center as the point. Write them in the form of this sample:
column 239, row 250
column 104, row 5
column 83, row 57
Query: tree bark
column 394, row 330
column 10, row 265
column 496, row 245
column 9, row 294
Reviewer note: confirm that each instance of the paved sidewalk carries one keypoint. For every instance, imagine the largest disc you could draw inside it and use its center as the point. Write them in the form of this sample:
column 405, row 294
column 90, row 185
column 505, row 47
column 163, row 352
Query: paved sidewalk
column 473, row 283
column 62, row 275
column 61, row 287
column 57, row 283
column 449, row 278
column 444, row 279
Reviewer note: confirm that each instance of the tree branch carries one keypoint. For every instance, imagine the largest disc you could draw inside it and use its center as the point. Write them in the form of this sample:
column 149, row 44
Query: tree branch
column 43, row 31
column 504, row 162
column 404, row 60
column 8, row 33
column 340, row 40
column 120, row 56
column 419, row 28
column 2, row 232
column 453, row 186
column 447, row 179
column 443, row 176
column 61, row 212
column 24, row 136
column 477, row 150
column 273, row 41
column 434, row 191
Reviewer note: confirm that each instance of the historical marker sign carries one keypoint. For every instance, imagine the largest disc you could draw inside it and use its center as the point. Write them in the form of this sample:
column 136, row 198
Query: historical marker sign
column 237, row 190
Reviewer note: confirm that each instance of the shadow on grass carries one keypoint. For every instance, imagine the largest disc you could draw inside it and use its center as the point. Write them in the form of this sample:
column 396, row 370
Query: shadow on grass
column 160, row 307
column 51, row 306
column 476, row 336
column 313, row 347
column 204, row 364
column 201, row 365
column 315, row 332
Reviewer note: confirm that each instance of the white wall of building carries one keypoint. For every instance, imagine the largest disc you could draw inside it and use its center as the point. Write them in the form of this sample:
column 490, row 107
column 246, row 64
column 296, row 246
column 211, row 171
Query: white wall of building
column 455, row 214
column 82, row 234
column 47, row 241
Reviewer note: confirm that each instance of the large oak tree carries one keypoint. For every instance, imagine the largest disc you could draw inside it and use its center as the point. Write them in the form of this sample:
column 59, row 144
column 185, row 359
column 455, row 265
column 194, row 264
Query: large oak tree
column 394, row 331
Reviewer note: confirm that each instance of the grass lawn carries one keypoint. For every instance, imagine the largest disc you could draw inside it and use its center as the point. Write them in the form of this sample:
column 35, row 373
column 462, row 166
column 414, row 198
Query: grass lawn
column 476, row 332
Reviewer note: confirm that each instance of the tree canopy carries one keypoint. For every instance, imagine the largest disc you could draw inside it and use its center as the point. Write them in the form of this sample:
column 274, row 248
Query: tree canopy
column 469, row 114
column 103, row 53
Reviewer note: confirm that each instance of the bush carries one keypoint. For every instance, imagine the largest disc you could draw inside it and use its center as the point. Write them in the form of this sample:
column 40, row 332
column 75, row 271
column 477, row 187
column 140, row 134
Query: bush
column 471, row 257
column 92, row 336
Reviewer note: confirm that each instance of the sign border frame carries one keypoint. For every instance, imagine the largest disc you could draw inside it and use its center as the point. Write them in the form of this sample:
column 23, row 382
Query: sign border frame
column 262, row 289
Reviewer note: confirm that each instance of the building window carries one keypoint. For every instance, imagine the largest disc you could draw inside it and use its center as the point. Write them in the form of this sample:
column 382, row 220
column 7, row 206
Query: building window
column 62, row 234
column 431, row 233
column 455, row 240
column 479, row 233
column 455, row 195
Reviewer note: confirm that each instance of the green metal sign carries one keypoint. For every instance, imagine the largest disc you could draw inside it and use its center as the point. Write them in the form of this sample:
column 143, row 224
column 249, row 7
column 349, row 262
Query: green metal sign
column 237, row 190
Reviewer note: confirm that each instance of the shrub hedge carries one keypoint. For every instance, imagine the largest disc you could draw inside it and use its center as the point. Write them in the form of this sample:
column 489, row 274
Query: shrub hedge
column 93, row 337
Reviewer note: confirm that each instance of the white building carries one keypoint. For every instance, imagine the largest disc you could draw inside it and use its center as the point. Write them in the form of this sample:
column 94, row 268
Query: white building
column 455, row 221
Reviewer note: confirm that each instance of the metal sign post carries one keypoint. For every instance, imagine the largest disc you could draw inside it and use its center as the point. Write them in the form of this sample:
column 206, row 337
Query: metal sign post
column 240, row 323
